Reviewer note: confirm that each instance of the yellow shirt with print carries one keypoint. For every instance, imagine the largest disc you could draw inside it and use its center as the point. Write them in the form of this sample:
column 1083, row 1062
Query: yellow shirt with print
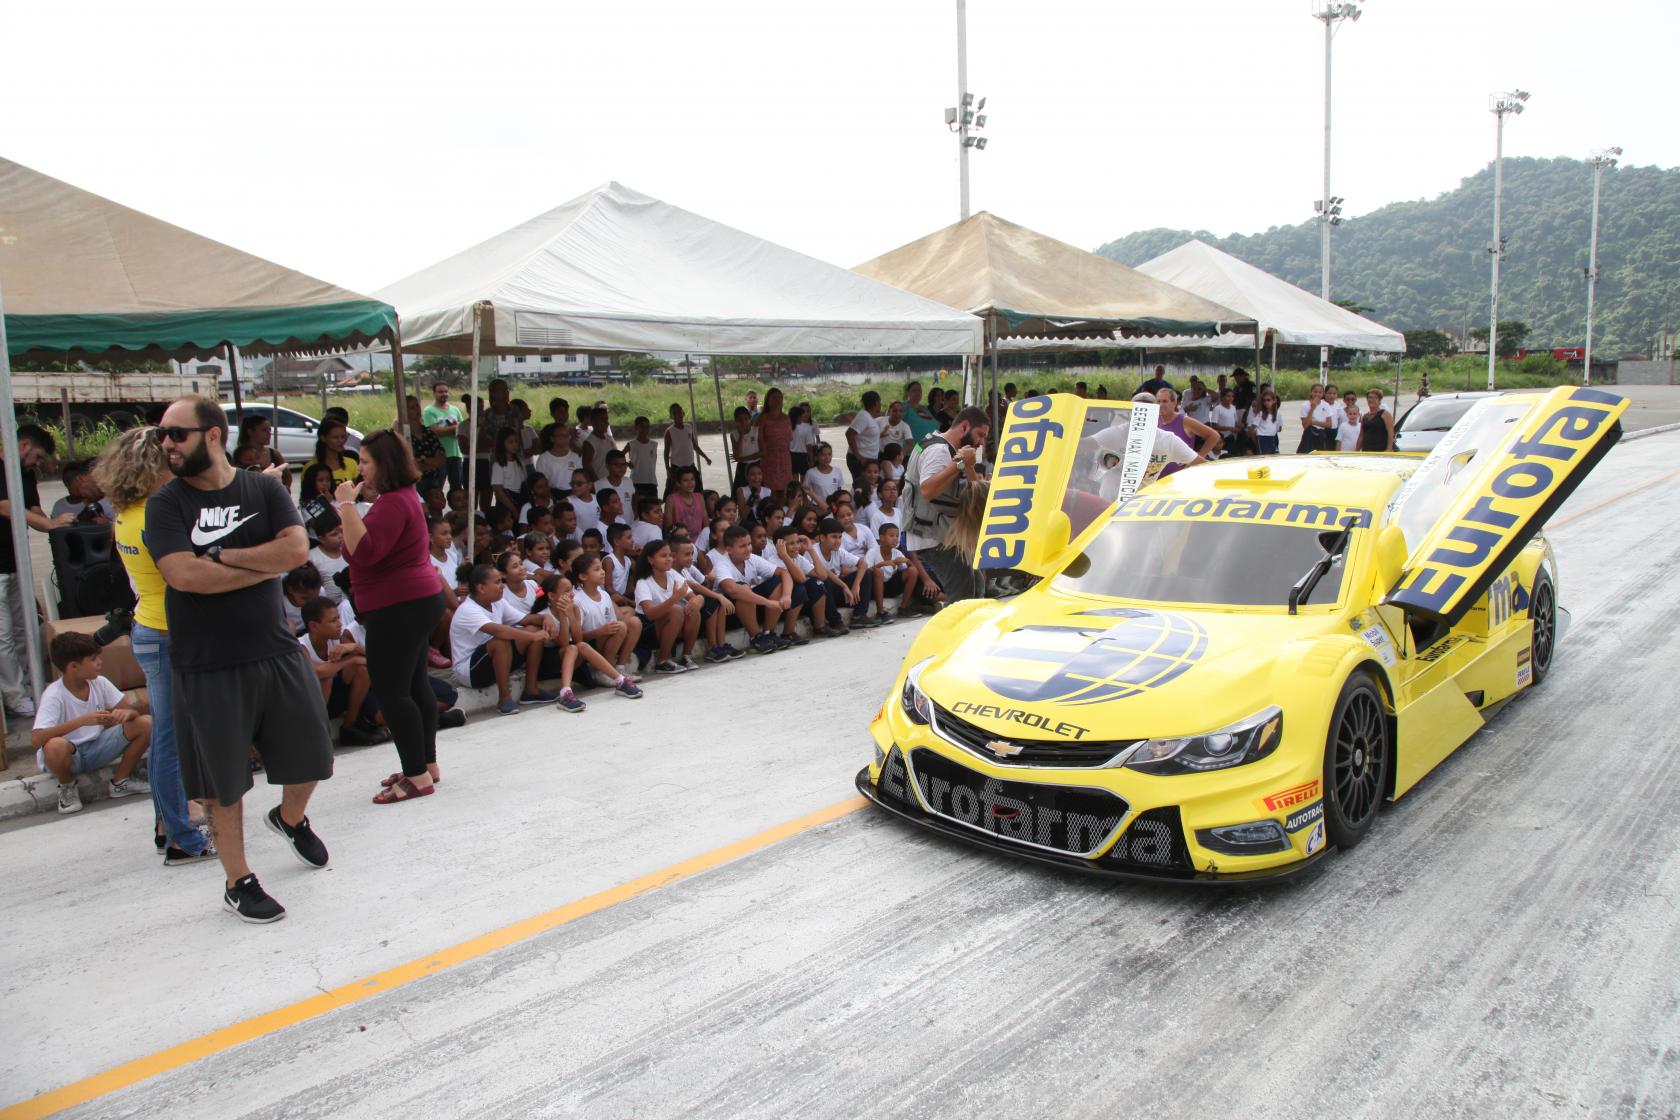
column 142, row 573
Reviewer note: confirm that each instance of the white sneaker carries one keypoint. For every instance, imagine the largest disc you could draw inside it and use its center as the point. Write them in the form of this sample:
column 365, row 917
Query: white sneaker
column 629, row 670
column 24, row 707
column 129, row 786
column 69, row 798
column 689, row 663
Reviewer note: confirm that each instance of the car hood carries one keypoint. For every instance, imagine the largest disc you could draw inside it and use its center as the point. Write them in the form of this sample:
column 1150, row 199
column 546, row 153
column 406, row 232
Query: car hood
column 1049, row 666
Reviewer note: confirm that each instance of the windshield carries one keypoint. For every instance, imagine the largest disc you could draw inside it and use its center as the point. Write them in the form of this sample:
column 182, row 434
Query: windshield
column 1437, row 414
column 1213, row 562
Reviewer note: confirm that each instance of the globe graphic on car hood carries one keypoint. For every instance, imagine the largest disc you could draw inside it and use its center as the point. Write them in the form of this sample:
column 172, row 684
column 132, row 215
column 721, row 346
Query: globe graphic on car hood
column 1138, row 651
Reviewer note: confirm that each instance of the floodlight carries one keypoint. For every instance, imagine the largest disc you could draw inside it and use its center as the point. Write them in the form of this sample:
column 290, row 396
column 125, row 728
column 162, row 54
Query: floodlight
column 980, row 120
column 968, row 116
column 980, row 143
column 968, row 99
column 982, row 104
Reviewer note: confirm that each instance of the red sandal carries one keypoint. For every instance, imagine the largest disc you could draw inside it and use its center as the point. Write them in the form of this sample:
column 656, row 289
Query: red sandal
column 402, row 790
column 397, row 777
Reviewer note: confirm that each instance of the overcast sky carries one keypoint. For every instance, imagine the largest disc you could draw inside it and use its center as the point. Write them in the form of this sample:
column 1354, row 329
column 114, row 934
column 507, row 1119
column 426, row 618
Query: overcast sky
column 360, row 141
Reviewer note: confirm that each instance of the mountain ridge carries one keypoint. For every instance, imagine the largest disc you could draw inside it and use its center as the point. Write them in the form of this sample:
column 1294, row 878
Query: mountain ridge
column 1423, row 263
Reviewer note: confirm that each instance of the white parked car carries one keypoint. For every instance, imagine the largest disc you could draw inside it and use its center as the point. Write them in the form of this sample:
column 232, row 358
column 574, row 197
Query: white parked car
column 294, row 432
column 1431, row 418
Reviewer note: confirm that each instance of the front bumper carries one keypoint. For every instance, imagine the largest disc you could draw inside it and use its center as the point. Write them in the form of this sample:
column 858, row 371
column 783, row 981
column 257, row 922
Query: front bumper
column 917, row 816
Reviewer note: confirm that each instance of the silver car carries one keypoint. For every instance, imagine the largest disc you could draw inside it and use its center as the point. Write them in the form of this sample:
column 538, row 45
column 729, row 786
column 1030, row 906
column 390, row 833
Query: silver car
column 1431, row 418
column 294, row 432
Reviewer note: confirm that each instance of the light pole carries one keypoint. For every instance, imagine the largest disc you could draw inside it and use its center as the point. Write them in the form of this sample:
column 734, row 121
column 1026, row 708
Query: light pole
column 1500, row 105
column 1329, row 207
column 1602, row 158
column 968, row 117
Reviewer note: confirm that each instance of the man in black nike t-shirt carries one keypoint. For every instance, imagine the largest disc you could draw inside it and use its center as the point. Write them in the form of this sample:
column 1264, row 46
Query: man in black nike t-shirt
column 221, row 538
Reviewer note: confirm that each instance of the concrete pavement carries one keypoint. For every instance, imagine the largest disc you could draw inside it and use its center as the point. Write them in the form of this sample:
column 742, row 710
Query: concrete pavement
column 1504, row 942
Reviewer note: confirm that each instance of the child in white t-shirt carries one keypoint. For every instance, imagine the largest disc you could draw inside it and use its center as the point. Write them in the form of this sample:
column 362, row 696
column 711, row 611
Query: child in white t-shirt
column 603, row 625
column 666, row 600
column 890, row 573
column 84, row 723
column 329, row 559
column 643, row 453
column 564, row 624
column 559, row 460
column 824, row 477
column 793, row 556
column 844, row 570
column 761, row 592
column 715, row 608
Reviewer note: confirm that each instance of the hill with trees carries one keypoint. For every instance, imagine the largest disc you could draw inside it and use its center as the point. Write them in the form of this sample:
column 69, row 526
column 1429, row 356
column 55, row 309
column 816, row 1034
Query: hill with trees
column 1424, row 264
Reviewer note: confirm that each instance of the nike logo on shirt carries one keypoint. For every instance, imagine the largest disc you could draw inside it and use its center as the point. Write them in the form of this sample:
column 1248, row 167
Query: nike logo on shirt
column 204, row 537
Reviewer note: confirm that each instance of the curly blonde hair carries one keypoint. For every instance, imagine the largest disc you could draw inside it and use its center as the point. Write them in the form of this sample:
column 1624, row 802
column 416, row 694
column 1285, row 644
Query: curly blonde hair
column 130, row 466
column 963, row 533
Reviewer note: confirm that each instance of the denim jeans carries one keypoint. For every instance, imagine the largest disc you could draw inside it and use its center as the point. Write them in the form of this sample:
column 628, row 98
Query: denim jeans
column 17, row 610
column 163, row 762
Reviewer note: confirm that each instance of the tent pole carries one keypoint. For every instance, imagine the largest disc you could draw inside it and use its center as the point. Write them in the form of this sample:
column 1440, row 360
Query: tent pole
column 397, row 380
column 1259, row 341
column 233, row 372
column 992, row 405
column 19, row 523
column 69, row 427
column 693, row 411
column 1274, row 359
column 728, row 466
column 472, row 391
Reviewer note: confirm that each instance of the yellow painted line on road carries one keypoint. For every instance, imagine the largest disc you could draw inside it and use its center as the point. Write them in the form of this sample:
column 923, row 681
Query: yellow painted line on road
column 1577, row 515
column 141, row 1069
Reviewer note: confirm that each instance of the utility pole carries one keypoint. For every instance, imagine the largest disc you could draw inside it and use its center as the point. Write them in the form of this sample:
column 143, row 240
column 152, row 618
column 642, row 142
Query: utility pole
column 1602, row 158
column 1500, row 105
column 1328, row 206
column 966, row 119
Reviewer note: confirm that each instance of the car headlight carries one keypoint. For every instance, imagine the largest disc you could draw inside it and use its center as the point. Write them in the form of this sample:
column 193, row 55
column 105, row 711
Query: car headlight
column 914, row 701
column 1247, row 741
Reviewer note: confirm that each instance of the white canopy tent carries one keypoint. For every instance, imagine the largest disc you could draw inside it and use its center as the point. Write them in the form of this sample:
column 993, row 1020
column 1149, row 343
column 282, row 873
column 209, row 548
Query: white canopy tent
column 1292, row 316
column 616, row 270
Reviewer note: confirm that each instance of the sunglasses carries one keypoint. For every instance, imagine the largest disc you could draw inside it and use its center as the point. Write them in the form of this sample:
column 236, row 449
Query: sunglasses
column 178, row 434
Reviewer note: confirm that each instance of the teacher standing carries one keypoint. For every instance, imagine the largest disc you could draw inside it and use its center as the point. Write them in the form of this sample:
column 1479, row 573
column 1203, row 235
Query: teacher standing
column 398, row 603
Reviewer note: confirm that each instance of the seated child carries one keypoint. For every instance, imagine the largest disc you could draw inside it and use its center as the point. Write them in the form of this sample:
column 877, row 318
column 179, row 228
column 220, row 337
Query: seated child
column 84, row 723
column 341, row 667
column 565, row 629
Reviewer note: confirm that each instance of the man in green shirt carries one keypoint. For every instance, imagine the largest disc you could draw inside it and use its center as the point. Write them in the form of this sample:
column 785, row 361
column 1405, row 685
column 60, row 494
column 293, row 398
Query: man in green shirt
column 443, row 420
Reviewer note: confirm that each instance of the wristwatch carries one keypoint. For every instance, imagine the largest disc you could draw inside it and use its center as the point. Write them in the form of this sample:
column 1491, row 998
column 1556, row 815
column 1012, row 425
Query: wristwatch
column 214, row 554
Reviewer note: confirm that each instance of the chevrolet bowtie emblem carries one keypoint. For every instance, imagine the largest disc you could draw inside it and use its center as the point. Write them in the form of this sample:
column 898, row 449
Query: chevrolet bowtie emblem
column 1003, row 749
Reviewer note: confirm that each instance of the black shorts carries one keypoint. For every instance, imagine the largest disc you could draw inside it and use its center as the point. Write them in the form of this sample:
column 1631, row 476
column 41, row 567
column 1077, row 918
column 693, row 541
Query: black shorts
column 481, row 672
column 274, row 705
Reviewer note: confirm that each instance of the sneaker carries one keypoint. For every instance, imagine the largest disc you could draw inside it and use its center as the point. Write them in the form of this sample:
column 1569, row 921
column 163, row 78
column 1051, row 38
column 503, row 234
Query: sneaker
column 569, row 702
column 763, row 642
column 717, row 654
column 437, row 660
column 628, row 669
column 888, row 618
column 861, row 621
column 247, row 899
column 689, row 663
column 451, row 719
column 627, row 689
column 785, row 641
column 160, row 842
column 305, row 844
column 175, row 857
column 129, row 786
column 668, row 667
column 797, row 639
column 735, row 652
column 507, row 707
column 540, row 696
column 23, row 709
column 354, row 736
column 70, row 798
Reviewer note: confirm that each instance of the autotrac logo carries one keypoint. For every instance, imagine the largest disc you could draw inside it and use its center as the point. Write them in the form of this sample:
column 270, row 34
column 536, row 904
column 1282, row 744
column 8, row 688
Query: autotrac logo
column 1534, row 474
column 1071, row 665
column 1009, row 505
column 1245, row 509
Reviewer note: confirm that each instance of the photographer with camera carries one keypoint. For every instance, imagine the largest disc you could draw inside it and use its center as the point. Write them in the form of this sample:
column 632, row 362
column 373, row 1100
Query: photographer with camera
column 130, row 470
column 398, row 602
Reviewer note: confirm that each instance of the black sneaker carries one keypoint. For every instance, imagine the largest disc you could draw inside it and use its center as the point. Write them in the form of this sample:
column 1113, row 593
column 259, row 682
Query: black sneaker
column 175, row 857
column 735, row 652
column 247, row 899
column 305, row 844
column 353, row 736
column 784, row 641
column 763, row 642
column 159, row 842
column 452, row 718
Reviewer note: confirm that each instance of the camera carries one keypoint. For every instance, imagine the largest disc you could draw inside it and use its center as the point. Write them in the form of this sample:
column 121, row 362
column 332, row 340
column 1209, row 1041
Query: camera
column 319, row 516
column 118, row 622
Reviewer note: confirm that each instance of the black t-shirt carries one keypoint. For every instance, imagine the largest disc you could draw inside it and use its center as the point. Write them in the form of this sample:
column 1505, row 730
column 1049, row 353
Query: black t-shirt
column 31, row 499
column 234, row 627
column 1155, row 385
column 1243, row 394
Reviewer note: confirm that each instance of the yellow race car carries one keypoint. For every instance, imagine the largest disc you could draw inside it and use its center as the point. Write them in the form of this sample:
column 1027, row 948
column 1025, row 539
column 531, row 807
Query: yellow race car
column 1224, row 673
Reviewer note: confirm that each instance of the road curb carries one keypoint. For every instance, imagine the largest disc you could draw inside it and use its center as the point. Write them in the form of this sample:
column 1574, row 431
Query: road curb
column 1656, row 431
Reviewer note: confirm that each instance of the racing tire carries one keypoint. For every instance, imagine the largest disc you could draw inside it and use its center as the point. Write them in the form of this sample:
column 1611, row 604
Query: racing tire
column 1356, row 758
column 1542, row 613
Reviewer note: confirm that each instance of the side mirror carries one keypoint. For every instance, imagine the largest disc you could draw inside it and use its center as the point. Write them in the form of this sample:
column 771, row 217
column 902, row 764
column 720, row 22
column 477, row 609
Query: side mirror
column 1391, row 557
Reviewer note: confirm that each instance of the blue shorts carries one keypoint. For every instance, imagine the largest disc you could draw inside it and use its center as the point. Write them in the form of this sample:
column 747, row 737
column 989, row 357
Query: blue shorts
column 98, row 752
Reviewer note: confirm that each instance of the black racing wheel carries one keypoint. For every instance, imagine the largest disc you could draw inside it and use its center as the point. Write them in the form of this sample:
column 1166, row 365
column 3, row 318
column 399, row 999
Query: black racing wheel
column 1355, row 762
column 1542, row 612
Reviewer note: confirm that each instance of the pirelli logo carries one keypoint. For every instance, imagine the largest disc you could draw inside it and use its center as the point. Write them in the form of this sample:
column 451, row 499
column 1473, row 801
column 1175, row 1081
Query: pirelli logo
column 1518, row 481
column 1289, row 798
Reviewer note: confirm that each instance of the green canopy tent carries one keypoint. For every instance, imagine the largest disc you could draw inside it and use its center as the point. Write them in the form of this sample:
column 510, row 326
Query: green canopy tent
column 83, row 277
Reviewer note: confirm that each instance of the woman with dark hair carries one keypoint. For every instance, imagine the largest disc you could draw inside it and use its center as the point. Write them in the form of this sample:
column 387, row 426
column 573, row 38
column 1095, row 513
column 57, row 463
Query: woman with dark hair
column 398, row 602
column 256, row 433
column 330, row 452
column 775, row 441
column 507, row 472
column 317, row 483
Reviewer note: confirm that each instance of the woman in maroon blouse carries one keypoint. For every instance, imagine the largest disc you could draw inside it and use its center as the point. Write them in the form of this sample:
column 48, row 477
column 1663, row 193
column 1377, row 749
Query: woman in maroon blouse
column 398, row 601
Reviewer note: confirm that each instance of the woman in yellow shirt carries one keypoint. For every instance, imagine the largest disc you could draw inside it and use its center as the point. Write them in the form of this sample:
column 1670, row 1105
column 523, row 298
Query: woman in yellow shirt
column 330, row 453
column 130, row 470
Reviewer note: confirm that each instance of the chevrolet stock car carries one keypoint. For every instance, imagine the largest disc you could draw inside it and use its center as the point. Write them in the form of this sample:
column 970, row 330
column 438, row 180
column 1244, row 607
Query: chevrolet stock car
column 1224, row 673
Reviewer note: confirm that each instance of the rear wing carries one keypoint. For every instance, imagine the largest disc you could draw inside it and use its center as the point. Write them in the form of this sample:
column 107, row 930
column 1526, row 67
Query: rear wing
column 1488, row 488
column 1063, row 461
